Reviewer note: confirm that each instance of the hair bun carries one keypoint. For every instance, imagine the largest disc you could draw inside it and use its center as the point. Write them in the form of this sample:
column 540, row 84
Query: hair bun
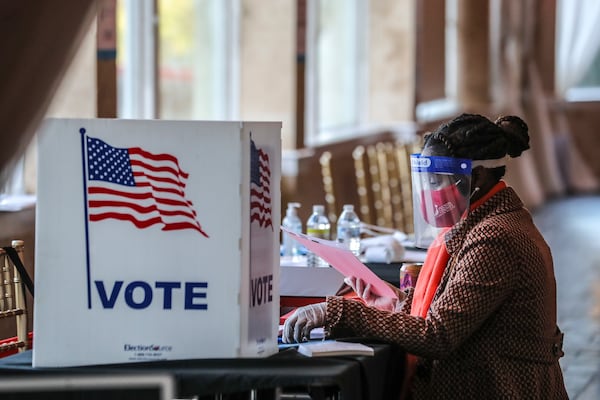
column 517, row 134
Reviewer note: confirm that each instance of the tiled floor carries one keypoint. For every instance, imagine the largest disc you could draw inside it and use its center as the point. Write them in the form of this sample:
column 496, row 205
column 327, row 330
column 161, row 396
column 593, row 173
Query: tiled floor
column 572, row 228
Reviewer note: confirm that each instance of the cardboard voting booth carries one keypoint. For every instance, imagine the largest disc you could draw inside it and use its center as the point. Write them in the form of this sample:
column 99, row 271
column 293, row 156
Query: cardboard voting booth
column 156, row 240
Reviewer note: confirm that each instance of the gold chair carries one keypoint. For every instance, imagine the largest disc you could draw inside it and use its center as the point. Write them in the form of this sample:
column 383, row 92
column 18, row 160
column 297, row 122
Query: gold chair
column 327, row 176
column 383, row 184
column 12, row 300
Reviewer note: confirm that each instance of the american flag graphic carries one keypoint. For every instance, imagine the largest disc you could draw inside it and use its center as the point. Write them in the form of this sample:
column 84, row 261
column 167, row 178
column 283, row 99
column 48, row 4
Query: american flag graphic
column 260, row 184
column 131, row 184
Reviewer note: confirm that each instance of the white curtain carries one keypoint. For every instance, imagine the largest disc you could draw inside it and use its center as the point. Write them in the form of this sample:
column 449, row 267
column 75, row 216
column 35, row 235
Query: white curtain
column 577, row 43
column 578, row 40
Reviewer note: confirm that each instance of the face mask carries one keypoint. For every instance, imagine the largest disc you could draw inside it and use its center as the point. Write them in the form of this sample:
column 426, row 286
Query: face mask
column 442, row 207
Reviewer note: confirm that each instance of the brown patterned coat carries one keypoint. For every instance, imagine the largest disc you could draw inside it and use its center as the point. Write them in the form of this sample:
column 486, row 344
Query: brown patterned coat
column 491, row 330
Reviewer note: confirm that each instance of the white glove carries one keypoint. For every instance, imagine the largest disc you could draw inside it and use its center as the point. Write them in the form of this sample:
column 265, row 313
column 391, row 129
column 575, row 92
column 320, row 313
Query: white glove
column 363, row 290
column 297, row 326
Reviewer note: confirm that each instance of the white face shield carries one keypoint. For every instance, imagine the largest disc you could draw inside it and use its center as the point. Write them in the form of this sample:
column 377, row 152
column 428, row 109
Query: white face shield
column 441, row 187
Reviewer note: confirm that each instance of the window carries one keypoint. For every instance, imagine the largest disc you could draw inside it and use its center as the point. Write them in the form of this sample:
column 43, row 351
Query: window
column 336, row 63
column 578, row 50
column 178, row 61
column 197, row 78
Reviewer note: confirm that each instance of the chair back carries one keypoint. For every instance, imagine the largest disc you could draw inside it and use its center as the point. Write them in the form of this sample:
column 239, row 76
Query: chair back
column 327, row 176
column 13, row 310
column 383, row 184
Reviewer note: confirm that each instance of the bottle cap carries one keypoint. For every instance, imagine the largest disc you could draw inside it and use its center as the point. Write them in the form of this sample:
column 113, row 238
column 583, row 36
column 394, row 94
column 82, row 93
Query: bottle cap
column 291, row 210
column 319, row 209
column 348, row 207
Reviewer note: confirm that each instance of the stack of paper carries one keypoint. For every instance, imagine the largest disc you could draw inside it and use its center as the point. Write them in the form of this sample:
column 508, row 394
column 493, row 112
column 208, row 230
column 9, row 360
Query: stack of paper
column 334, row 348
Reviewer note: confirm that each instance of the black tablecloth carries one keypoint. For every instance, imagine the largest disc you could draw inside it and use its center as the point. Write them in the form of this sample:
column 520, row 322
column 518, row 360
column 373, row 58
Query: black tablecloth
column 356, row 377
column 388, row 272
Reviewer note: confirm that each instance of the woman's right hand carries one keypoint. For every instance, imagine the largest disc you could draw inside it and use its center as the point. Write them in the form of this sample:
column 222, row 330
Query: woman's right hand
column 363, row 290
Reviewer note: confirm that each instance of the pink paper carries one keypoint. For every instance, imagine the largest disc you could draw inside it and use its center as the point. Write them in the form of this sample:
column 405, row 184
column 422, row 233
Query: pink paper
column 342, row 259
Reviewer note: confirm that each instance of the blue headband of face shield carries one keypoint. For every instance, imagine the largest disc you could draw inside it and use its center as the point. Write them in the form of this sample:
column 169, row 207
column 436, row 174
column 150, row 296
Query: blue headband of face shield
column 440, row 165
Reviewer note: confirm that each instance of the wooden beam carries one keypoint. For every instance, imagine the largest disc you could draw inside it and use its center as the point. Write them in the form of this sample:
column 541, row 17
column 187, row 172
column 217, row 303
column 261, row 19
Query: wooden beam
column 106, row 72
column 473, row 54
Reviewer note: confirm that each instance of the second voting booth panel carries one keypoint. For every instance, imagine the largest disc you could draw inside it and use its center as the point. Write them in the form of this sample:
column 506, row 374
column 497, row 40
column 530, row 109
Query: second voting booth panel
column 156, row 240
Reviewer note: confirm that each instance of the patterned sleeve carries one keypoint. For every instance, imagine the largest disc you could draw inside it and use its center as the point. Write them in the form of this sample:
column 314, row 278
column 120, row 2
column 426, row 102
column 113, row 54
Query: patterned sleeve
column 478, row 283
column 405, row 307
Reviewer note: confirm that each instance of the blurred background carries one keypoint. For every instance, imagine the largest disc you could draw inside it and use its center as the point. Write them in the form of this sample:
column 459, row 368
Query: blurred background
column 355, row 83
column 345, row 77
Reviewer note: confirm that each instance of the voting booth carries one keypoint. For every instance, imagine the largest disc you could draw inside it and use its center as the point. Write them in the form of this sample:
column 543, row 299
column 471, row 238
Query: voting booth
column 156, row 240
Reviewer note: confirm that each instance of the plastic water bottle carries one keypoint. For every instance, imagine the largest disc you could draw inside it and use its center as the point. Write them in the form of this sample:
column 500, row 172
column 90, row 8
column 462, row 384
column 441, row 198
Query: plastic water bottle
column 291, row 247
column 318, row 225
column 348, row 229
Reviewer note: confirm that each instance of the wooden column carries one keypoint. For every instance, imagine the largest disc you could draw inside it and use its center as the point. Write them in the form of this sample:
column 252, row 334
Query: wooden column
column 106, row 73
column 473, row 54
column 431, row 55
column 300, row 71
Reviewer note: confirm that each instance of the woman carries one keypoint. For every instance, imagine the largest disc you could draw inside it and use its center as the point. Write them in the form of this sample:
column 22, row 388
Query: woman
column 481, row 322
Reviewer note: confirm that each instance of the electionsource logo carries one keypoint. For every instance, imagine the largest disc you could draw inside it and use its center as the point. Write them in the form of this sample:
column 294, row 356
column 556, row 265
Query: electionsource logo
column 146, row 347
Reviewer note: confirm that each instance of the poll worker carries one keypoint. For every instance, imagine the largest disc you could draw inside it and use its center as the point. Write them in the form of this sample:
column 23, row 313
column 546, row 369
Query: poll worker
column 481, row 320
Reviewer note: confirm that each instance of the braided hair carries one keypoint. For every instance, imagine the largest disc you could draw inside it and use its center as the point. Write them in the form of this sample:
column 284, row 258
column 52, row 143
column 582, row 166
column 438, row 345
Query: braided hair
column 476, row 137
